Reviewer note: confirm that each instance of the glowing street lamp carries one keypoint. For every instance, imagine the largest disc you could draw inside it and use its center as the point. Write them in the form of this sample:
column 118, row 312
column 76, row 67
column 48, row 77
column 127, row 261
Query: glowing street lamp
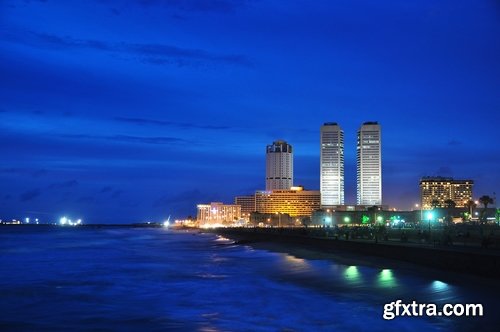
column 429, row 218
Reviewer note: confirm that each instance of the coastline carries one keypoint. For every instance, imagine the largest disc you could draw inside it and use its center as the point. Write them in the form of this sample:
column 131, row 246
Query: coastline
column 471, row 262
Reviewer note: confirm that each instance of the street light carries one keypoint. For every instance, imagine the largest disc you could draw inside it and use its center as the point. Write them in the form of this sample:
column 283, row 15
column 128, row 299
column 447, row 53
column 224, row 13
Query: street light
column 429, row 217
column 279, row 218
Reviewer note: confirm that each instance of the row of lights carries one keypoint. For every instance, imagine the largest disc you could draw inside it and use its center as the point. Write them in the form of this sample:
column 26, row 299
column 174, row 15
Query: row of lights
column 68, row 222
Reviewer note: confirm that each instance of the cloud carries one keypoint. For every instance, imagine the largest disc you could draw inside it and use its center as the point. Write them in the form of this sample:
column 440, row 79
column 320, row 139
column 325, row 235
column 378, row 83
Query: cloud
column 224, row 6
column 152, row 53
column 444, row 170
column 86, row 199
column 186, row 196
column 63, row 185
column 106, row 189
column 33, row 172
column 141, row 121
column 29, row 195
column 117, row 193
column 129, row 138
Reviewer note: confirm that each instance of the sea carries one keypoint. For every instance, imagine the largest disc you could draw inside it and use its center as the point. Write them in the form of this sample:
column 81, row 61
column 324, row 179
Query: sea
column 157, row 279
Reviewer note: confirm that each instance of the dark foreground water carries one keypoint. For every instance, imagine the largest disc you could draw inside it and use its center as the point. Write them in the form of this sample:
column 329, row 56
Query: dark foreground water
column 126, row 279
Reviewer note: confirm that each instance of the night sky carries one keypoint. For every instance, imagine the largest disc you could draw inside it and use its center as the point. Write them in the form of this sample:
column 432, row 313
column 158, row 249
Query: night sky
column 125, row 111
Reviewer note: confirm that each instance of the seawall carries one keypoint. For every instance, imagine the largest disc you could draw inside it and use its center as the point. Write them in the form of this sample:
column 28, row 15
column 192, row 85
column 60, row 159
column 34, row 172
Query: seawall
column 475, row 261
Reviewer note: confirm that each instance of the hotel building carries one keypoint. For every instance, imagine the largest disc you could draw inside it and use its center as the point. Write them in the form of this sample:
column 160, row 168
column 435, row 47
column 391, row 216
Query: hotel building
column 279, row 166
column 247, row 204
column 369, row 165
column 295, row 202
column 442, row 189
column 332, row 165
column 217, row 213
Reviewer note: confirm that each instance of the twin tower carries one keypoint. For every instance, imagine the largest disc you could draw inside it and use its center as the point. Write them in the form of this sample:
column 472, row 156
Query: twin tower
column 279, row 165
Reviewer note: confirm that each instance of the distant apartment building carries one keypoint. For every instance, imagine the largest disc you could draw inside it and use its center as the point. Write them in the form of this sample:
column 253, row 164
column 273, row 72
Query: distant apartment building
column 331, row 165
column 441, row 189
column 247, row 204
column 369, row 165
column 279, row 166
column 295, row 202
column 217, row 213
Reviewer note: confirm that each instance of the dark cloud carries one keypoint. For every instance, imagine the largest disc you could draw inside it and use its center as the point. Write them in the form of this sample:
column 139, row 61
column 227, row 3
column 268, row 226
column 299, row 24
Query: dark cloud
column 12, row 170
column 29, row 195
column 186, row 196
column 106, row 189
column 224, row 6
column 150, row 53
column 141, row 121
column 63, row 185
column 129, row 138
column 86, row 199
column 117, row 193
column 38, row 173
column 15, row 170
column 444, row 171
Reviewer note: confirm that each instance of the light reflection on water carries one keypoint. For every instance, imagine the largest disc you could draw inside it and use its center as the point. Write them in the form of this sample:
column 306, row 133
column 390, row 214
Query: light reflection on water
column 153, row 279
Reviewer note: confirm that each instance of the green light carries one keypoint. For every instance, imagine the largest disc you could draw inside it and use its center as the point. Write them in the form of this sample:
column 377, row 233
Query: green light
column 429, row 216
column 365, row 219
column 352, row 274
column 386, row 279
column 380, row 218
column 347, row 219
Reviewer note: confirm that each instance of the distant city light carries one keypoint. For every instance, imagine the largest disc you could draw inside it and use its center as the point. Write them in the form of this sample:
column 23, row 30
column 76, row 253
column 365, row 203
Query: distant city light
column 65, row 221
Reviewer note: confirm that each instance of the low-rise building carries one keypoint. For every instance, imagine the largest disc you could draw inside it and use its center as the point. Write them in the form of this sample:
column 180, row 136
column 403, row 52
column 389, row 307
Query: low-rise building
column 217, row 213
column 436, row 191
column 295, row 202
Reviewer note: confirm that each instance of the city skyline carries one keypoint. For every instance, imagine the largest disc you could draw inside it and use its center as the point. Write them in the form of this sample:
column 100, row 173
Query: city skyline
column 129, row 111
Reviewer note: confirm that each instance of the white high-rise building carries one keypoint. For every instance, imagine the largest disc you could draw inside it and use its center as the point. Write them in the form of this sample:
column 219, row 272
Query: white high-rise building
column 279, row 166
column 332, row 165
column 369, row 165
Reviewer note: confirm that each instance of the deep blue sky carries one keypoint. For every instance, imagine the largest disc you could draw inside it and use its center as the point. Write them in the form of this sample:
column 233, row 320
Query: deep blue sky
column 133, row 110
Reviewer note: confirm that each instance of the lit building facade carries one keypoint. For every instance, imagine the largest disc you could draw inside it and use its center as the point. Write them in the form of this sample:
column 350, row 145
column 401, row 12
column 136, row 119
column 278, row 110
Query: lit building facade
column 217, row 213
column 369, row 165
column 441, row 189
column 332, row 165
column 247, row 204
column 279, row 166
column 295, row 202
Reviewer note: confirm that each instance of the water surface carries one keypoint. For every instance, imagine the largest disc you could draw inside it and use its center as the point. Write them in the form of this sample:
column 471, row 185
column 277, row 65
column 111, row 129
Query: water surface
column 130, row 279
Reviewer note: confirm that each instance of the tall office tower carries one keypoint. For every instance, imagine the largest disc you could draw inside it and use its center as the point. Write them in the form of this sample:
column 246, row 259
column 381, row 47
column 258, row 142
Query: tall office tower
column 279, row 166
column 332, row 165
column 369, row 165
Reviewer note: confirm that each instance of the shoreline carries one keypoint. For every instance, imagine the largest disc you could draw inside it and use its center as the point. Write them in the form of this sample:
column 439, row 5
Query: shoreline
column 471, row 262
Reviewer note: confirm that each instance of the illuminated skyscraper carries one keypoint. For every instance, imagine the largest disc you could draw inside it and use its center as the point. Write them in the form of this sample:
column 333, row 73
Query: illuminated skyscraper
column 369, row 165
column 332, row 165
column 279, row 166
